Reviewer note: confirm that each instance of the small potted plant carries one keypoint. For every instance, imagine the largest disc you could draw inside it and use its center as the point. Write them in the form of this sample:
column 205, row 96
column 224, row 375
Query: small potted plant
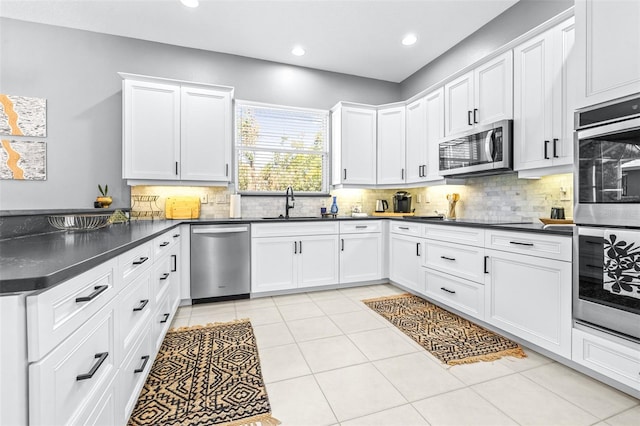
column 104, row 200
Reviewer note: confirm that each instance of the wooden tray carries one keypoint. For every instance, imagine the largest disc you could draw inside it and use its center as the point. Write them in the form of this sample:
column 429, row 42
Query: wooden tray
column 548, row 221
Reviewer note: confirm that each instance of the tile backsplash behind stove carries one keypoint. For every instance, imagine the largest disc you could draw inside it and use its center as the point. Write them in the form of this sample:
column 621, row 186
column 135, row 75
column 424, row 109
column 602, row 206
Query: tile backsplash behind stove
column 497, row 197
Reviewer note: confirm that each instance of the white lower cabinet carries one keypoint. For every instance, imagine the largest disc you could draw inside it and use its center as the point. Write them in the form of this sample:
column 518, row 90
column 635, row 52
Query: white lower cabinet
column 406, row 260
column 611, row 356
column 67, row 382
column 132, row 375
column 530, row 297
column 286, row 256
column 464, row 295
column 360, row 251
column 90, row 372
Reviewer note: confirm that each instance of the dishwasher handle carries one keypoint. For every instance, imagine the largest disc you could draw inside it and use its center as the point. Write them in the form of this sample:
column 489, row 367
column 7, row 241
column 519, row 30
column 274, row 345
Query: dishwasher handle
column 217, row 230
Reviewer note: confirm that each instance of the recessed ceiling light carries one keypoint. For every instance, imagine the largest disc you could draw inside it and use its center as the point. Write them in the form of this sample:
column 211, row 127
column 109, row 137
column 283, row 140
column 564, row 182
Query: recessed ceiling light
column 190, row 3
column 409, row 39
column 298, row 51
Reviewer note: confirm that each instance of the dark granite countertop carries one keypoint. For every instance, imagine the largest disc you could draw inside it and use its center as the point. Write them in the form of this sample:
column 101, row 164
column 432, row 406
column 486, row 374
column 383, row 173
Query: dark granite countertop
column 40, row 261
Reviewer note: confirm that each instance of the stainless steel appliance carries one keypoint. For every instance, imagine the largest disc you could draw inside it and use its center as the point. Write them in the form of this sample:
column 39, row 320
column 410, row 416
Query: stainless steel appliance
column 607, row 155
column 220, row 262
column 402, row 202
column 607, row 214
column 486, row 150
column 381, row 206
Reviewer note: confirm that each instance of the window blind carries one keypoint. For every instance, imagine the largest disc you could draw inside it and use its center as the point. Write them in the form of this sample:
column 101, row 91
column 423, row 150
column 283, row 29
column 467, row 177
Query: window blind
column 279, row 146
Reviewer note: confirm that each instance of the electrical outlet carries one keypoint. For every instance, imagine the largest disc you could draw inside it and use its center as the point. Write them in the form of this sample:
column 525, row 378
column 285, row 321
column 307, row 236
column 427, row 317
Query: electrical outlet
column 204, row 199
column 221, row 199
column 419, row 199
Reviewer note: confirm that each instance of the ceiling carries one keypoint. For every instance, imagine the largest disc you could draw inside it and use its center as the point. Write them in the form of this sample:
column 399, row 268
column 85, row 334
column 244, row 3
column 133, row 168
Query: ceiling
column 358, row 37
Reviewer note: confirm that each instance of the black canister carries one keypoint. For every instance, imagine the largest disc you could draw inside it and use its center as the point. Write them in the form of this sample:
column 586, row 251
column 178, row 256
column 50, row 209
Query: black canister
column 557, row 212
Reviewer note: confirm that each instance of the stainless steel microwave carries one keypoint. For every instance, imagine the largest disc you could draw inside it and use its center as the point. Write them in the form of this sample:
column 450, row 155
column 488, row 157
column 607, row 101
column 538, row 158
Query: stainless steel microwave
column 486, row 150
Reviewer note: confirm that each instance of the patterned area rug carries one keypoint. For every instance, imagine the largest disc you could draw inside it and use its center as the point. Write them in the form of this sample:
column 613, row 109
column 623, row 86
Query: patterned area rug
column 205, row 375
column 450, row 338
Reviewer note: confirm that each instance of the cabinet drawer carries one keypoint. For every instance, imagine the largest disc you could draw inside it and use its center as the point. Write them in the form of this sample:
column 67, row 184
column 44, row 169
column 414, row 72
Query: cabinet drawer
column 54, row 314
column 550, row 246
column 134, row 262
column 162, row 275
column 460, row 294
column 165, row 242
column 407, row 228
column 294, row 229
column 455, row 234
column 63, row 385
column 161, row 321
column 456, row 259
column 132, row 375
column 615, row 358
column 134, row 309
column 360, row 226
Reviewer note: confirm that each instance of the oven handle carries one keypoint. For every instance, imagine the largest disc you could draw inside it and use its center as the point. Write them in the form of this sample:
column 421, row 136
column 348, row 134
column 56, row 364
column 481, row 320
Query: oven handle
column 607, row 129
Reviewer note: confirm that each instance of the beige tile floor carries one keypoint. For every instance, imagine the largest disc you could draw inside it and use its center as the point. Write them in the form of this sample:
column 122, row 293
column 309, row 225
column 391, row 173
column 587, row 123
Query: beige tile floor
column 327, row 359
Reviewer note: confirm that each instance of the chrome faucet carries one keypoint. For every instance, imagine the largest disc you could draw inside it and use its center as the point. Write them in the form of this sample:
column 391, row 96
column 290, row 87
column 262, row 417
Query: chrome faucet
column 288, row 206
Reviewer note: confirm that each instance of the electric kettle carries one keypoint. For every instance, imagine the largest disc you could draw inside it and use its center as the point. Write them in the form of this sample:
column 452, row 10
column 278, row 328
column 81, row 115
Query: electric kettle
column 381, row 206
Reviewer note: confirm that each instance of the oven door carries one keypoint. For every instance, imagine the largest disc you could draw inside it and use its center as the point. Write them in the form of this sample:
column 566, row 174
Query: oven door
column 607, row 184
column 598, row 297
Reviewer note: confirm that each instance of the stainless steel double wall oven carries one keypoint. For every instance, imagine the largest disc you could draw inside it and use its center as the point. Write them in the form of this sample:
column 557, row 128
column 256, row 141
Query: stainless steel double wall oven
column 606, row 292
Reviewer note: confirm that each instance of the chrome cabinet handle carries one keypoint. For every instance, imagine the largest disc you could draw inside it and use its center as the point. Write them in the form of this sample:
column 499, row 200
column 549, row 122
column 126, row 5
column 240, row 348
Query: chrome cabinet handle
column 447, row 258
column 447, row 290
column 164, row 276
column 140, row 261
column 140, row 307
column 165, row 319
column 101, row 357
column 145, row 360
column 97, row 290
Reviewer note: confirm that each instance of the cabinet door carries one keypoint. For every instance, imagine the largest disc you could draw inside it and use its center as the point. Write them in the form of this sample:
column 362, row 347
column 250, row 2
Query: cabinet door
column 458, row 103
column 151, row 127
column 531, row 298
column 360, row 257
column 317, row 260
column 435, row 133
column 564, row 93
column 608, row 42
column 533, row 102
column 272, row 264
column 416, row 140
column 405, row 260
column 391, row 145
column 358, row 136
column 493, row 90
column 205, row 150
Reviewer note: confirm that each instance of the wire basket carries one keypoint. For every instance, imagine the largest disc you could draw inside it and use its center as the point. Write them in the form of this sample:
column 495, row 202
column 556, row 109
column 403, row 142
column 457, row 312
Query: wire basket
column 79, row 222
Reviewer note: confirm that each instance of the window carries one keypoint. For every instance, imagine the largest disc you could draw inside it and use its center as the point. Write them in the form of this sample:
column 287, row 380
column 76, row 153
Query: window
column 278, row 146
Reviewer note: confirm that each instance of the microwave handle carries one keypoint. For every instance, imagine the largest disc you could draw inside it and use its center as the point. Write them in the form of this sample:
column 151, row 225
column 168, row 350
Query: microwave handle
column 489, row 145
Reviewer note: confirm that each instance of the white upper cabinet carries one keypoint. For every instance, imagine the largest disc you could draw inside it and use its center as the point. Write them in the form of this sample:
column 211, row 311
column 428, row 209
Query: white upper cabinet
column 151, row 129
column 175, row 131
column 353, row 139
column 435, row 133
column 416, row 140
column 544, row 100
column 391, row 145
column 607, row 46
column 481, row 96
column 205, row 148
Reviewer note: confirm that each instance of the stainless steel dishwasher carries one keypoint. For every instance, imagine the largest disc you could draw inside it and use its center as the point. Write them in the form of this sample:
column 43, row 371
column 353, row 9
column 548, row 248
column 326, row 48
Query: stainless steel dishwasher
column 220, row 262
